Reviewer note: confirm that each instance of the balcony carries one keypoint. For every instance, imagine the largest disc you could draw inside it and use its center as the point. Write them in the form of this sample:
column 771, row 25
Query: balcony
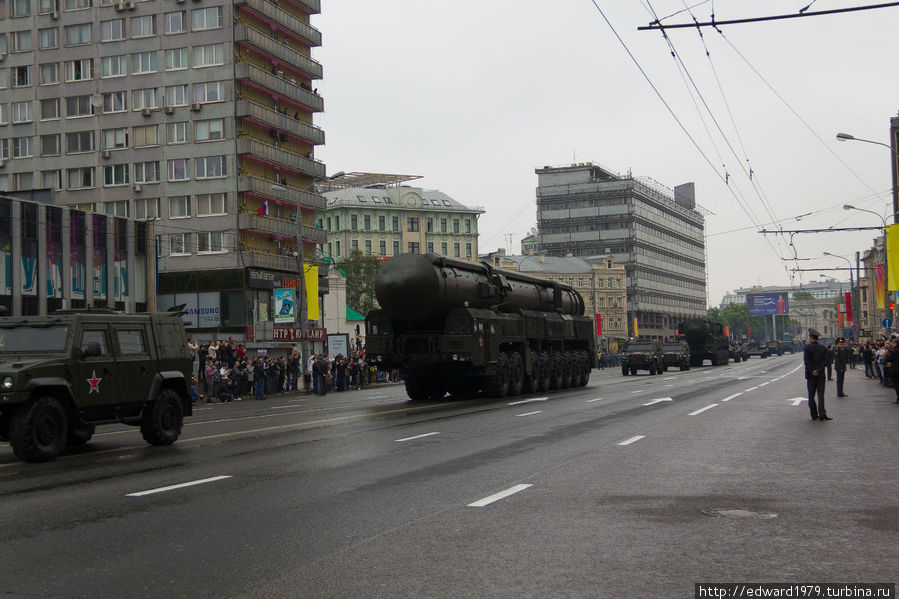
column 269, row 189
column 314, row 235
column 278, row 157
column 273, row 261
column 313, row 7
column 268, row 82
column 272, row 118
column 267, row 224
column 272, row 12
column 276, row 50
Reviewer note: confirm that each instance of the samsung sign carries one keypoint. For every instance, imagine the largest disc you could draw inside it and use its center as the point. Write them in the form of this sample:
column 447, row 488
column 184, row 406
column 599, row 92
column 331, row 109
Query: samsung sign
column 201, row 310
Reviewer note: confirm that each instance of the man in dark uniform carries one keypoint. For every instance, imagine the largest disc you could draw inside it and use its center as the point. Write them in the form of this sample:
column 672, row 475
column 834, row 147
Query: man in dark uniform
column 815, row 358
column 841, row 357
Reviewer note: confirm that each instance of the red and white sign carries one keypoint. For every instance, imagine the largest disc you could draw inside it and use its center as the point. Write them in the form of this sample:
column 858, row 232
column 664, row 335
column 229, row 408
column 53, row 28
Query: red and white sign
column 298, row 334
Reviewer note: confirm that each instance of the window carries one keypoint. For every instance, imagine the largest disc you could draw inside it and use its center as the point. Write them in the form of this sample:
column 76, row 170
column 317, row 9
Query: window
column 49, row 73
column 22, row 76
column 23, row 181
column 176, row 95
column 178, row 243
column 45, row 6
column 430, row 247
column 112, row 31
column 368, row 246
column 354, row 222
column 115, row 138
column 467, row 225
column 48, row 38
column 21, row 41
column 51, row 179
column 4, row 120
column 210, row 203
column 456, row 250
column 4, row 45
column 177, row 133
column 80, row 177
column 396, row 248
column 143, row 98
column 146, row 209
column 208, row 167
column 210, row 241
column 210, row 91
column 206, row 56
column 144, row 62
column 210, row 129
column 4, row 78
column 429, row 225
column 148, row 135
column 413, row 247
column 468, row 250
column 179, row 207
column 144, row 26
column 114, row 66
column 455, row 225
column 382, row 223
column 78, row 34
column 79, row 141
column 131, row 342
column 396, row 225
column 178, row 169
column 366, row 222
column 50, row 145
column 443, row 249
column 78, row 106
column 115, row 102
column 98, row 337
column 176, row 59
column 174, row 22
column 206, row 18
column 115, row 174
column 412, row 224
column 354, row 245
column 77, row 4
column 119, row 208
column 382, row 248
column 146, row 172
column 21, row 112
column 443, row 225
column 78, row 70
column 20, row 8
column 4, row 146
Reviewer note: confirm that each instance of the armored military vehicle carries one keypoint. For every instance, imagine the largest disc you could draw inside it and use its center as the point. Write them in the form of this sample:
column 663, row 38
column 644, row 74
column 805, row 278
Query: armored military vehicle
column 737, row 352
column 707, row 341
column 676, row 354
column 467, row 328
column 754, row 348
column 62, row 374
column 642, row 355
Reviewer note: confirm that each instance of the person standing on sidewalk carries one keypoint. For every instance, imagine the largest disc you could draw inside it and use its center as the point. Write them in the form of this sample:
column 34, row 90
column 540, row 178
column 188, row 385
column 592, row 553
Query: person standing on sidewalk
column 841, row 357
column 815, row 359
column 894, row 367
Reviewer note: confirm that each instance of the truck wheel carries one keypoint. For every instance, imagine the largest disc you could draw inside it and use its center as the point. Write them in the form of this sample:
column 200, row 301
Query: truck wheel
column 38, row 430
column 624, row 370
column 532, row 381
column 543, row 357
column 556, row 371
column 568, row 366
column 163, row 419
column 586, row 368
column 79, row 433
column 516, row 373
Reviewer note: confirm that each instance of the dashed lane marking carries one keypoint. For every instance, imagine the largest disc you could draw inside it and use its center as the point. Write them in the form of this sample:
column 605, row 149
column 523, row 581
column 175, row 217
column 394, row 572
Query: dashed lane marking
column 178, row 486
column 501, row 495
column 632, row 440
column 415, row 437
column 701, row 410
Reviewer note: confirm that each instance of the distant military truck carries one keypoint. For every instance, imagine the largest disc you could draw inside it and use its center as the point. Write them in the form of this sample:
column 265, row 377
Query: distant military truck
column 642, row 355
column 62, row 374
column 775, row 348
column 754, row 348
column 676, row 354
column 737, row 352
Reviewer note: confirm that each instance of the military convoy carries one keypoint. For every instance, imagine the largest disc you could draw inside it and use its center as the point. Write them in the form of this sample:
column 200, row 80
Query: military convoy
column 466, row 328
column 642, row 355
column 707, row 341
column 676, row 354
column 65, row 373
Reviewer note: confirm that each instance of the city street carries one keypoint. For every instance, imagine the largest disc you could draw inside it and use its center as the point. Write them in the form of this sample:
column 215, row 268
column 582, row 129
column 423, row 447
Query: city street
column 636, row 486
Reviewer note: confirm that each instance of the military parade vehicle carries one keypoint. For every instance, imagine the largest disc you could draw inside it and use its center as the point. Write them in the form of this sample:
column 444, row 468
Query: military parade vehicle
column 707, row 341
column 676, row 354
column 466, row 328
column 754, row 348
column 642, row 355
column 737, row 352
column 64, row 373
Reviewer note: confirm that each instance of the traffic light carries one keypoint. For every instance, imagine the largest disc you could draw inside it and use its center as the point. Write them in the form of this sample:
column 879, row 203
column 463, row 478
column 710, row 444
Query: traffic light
column 892, row 306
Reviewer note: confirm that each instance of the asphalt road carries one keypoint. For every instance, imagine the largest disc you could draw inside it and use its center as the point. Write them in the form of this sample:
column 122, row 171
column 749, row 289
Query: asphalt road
column 636, row 486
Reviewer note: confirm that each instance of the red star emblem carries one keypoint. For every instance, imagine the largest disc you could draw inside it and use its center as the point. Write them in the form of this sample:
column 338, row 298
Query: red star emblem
column 95, row 383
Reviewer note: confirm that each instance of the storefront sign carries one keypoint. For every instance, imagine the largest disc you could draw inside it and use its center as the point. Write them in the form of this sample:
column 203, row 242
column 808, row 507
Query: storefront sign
column 269, row 279
column 297, row 334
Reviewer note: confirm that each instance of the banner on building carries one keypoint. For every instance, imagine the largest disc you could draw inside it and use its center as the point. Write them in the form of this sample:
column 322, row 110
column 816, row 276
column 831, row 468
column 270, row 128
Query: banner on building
column 636, row 328
column 599, row 324
column 285, row 306
column 849, row 306
column 893, row 256
column 765, row 304
column 310, row 278
column 878, row 286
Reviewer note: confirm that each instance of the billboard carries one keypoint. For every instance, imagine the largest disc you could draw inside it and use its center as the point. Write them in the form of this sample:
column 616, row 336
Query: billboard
column 284, row 306
column 764, row 304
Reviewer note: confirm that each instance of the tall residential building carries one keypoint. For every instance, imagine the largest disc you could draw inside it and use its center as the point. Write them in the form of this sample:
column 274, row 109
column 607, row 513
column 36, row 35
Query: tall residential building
column 587, row 210
column 198, row 115
column 379, row 216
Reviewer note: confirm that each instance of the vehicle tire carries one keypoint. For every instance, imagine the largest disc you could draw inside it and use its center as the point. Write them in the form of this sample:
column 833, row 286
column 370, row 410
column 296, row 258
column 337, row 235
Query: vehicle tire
column 416, row 389
column 498, row 385
column 633, row 372
column 586, row 368
column 556, row 370
column 543, row 358
column 624, row 371
column 38, row 430
column 532, row 381
column 163, row 419
column 79, row 433
column 516, row 373
column 568, row 368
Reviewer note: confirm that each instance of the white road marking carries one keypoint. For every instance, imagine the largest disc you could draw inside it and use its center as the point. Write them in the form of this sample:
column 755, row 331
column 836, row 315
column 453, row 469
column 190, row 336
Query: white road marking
column 669, row 386
column 742, row 378
column 655, row 401
column 592, row 400
column 415, row 437
column 766, row 383
column 282, row 407
column 750, row 389
column 798, row 400
column 501, row 495
column 632, row 440
column 178, row 486
column 530, row 413
column 638, row 391
column 701, row 410
column 732, row 396
column 533, row 399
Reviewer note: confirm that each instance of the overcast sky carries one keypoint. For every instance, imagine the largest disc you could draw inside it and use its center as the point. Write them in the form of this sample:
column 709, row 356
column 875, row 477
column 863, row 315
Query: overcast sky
column 473, row 96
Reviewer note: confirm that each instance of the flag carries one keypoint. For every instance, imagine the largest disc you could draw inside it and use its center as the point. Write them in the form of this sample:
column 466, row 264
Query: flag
column 599, row 324
column 636, row 328
column 263, row 209
column 878, row 286
column 849, row 306
column 727, row 331
column 892, row 233
column 310, row 279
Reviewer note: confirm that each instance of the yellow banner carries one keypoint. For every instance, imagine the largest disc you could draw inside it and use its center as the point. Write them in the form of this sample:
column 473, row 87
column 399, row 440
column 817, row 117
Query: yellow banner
column 310, row 281
column 878, row 286
column 893, row 257
column 636, row 328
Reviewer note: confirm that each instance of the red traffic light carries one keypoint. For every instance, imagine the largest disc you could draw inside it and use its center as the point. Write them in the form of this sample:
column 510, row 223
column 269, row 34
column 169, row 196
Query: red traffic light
column 892, row 306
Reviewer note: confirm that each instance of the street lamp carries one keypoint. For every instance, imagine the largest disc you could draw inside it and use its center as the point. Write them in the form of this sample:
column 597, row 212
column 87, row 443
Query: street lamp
column 851, row 284
column 849, row 137
column 886, row 277
column 893, row 167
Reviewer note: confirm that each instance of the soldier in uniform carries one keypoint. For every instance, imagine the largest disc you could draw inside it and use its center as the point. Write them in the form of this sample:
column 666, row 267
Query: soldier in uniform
column 841, row 356
column 815, row 358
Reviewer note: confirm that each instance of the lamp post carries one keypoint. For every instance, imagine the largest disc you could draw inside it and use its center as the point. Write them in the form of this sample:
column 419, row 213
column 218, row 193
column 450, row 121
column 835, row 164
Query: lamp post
column 893, row 167
column 886, row 288
column 851, row 285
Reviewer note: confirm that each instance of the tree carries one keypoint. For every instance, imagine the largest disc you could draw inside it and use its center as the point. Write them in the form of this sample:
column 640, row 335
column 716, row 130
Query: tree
column 360, row 271
column 800, row 296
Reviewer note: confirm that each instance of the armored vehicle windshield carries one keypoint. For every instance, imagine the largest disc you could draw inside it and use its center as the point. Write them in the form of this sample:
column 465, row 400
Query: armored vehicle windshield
column 33, row 338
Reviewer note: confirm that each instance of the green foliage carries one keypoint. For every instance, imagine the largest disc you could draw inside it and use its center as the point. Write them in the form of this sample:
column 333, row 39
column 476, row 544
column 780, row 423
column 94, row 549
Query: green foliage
column 802, row 296
column 738, row 320
column 360, row 272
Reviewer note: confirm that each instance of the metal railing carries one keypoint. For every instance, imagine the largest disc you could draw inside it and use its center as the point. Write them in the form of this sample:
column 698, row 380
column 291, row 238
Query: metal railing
column 281, row 192
column 272, row 117
column 283, row 17
column 267, row 224
column 277, row 49
column 271, row 81
column 278, row 156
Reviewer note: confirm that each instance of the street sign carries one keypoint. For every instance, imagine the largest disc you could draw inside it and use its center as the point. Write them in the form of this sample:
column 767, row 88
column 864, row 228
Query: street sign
column 855, row 327
column 887, row 322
